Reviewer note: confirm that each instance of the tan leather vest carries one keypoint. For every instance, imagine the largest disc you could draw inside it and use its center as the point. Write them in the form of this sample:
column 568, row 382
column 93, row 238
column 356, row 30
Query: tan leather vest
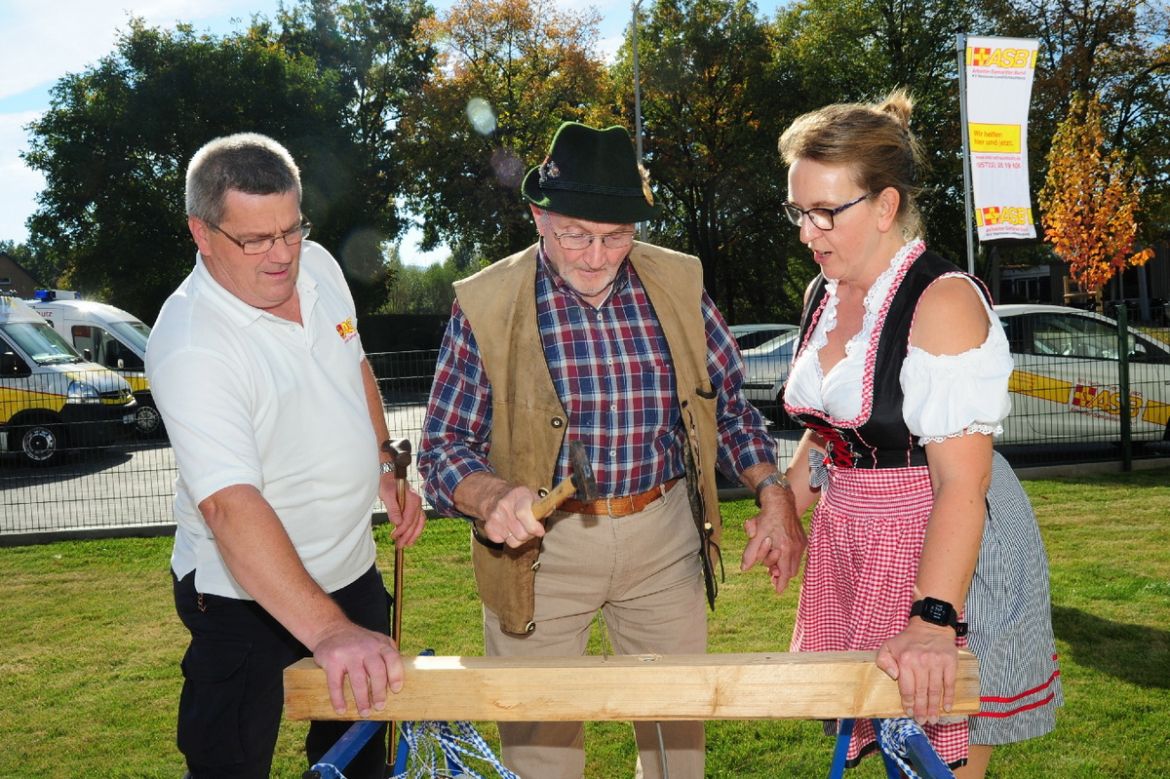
column 528, row 420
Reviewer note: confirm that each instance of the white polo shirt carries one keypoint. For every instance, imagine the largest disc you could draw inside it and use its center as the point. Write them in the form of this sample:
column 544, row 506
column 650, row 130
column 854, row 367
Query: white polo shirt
column 250, row 398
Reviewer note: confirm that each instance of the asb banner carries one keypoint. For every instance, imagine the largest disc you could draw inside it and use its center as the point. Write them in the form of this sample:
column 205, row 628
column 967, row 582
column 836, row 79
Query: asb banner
column 999, row 73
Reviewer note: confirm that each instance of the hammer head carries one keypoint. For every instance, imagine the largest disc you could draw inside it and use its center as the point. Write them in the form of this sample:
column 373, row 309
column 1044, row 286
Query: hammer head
column 583, row 478
column 399, row 451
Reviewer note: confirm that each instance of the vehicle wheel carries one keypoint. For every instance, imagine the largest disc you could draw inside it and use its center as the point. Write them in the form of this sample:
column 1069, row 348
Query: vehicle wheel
column 40, row 443
column 147, row 421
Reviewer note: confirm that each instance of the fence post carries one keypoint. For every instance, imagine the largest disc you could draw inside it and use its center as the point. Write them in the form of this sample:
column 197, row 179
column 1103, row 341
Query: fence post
column 1123, row 387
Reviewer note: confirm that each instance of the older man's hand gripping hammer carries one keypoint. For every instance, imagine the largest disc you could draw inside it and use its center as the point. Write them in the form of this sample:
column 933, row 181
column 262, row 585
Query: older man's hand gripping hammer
column 399, row 451
column 582, row 481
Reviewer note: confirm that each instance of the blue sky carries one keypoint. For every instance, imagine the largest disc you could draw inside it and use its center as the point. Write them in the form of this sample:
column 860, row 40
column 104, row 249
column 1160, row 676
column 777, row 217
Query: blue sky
column 47, row 39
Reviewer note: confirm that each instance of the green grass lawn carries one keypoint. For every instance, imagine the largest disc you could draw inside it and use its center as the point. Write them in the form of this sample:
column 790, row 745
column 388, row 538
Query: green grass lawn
column 89, row 675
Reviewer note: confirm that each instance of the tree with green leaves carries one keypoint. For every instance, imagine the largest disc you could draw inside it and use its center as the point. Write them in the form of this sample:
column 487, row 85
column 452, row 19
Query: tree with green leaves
column 114, row 145
column 426, row 290
column 44, row 272
column 379, row 59
column 711, row 114
column 509, row 72
column 857, row 50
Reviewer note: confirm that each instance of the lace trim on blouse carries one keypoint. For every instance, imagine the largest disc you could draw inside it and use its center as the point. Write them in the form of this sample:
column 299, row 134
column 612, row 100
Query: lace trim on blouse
column 934, row 406
column 877, row 302
column 974, row 428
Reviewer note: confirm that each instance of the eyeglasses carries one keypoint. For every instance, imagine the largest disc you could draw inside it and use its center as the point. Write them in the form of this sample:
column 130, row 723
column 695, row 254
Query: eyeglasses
column 822, row 218
column 577, row 241
column 261, row 245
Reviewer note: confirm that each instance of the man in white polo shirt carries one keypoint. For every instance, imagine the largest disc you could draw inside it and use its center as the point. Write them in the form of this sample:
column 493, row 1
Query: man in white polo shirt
column 276, row 422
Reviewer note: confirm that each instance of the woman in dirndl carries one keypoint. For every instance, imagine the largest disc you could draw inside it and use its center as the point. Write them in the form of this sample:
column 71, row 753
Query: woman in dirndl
column 922, row 540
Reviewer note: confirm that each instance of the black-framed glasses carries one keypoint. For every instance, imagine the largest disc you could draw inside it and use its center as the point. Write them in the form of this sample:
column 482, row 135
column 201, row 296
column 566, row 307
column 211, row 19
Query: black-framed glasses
column 263, row 245
column 822, row 218
column 578, row 241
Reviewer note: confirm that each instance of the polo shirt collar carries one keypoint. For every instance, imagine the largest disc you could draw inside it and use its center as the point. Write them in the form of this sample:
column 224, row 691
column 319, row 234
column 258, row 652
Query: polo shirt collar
column 240, row 313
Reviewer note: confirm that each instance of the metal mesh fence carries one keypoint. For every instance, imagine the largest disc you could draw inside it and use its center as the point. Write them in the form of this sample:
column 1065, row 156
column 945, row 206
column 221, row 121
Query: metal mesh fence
column 96, row 485
column 1070, row 396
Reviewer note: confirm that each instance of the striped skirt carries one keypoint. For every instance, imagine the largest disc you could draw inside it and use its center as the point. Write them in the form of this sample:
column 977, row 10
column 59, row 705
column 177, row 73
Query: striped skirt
column 865, row 542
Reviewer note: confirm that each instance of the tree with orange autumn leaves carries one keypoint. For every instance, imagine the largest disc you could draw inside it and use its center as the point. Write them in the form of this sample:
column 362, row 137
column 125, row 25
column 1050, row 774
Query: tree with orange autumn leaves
column 507, row 74
column 1090, row 200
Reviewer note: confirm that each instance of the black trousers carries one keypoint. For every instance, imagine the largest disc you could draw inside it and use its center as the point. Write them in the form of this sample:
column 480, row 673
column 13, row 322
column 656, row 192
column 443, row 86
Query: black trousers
column 233, row 691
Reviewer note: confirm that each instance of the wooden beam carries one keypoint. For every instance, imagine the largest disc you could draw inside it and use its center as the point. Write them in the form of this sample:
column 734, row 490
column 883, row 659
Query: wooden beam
column 820, row 685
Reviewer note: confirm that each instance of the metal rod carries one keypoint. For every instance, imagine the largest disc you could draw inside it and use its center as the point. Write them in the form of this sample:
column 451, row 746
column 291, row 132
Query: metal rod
column 961, row 48
column 641, row 228
column 1122, row 314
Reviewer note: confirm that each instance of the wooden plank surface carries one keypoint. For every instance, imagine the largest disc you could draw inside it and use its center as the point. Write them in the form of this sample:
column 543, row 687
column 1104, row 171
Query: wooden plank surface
column 782, row 685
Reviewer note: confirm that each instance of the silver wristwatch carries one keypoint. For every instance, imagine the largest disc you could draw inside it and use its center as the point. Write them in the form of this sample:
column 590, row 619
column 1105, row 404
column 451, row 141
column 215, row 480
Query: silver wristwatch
column 776, row 478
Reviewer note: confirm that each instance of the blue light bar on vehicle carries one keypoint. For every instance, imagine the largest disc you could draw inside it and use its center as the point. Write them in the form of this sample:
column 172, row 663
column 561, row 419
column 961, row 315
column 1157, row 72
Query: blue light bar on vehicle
column 49, row 295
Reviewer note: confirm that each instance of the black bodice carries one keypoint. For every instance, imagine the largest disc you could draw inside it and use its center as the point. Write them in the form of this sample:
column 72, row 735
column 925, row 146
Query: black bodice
column 881, row 439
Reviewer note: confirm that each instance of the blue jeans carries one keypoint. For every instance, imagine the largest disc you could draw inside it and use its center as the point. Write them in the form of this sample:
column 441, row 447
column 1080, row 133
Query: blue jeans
column 233, row 689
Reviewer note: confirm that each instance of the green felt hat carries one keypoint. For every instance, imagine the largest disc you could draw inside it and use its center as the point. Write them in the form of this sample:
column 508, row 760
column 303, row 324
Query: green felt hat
column 591, row 174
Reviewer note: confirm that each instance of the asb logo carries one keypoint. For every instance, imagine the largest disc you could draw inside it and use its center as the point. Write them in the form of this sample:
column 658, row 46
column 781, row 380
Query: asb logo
column 995, row 215
column 346, row 329
column 1104, row 401
column 988, row 57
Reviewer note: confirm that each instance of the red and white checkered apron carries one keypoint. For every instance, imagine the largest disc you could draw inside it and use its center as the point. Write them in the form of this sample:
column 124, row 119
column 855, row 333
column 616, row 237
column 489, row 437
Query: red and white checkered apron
column 866, row 539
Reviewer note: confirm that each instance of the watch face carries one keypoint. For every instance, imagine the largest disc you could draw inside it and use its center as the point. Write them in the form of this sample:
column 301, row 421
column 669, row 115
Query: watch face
column 936, row 611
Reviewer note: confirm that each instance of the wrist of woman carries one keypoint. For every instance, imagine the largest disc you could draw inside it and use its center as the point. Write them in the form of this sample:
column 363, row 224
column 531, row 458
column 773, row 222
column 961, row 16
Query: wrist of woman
column 919, row 625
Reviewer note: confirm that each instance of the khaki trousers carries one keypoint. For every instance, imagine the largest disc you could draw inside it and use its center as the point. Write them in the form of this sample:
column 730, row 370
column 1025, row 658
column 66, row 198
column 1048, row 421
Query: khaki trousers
column 643, row 572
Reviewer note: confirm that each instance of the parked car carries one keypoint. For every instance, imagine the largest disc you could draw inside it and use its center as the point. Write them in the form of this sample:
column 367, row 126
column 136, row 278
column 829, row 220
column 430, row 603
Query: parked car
column 1065, row 386
column 109, row 336
column 51, row 398
column 751, row 336
column 765, row 371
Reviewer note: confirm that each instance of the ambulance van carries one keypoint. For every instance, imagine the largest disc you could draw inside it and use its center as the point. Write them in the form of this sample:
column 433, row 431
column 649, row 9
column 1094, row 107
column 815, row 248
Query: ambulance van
column 108, row 336
column 52, row 399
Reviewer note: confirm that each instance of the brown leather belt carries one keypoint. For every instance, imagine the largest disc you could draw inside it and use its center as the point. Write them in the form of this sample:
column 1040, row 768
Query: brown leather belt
column 618, row 506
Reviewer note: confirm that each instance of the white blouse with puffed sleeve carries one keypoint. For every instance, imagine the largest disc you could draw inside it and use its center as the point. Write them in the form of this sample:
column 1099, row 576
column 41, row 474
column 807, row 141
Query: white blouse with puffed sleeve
column 945, row 395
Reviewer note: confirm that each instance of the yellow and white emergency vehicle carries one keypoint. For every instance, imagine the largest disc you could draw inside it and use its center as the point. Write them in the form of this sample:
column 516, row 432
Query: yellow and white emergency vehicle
column 1066, row 385
column 51, row 398
column 109, row 336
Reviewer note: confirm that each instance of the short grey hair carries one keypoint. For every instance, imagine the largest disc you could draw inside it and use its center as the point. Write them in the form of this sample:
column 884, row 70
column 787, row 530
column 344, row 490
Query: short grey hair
column 246, row 162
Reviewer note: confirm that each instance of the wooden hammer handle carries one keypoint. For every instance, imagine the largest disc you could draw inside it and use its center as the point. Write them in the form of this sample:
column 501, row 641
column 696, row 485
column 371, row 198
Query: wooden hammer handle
column 548, row 504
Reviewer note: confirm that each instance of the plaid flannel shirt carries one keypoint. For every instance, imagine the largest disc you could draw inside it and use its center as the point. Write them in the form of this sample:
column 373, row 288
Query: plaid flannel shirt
column 612, row 372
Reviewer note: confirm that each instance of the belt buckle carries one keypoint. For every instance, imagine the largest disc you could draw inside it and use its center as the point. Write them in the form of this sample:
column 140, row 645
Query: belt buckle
column 609, row 505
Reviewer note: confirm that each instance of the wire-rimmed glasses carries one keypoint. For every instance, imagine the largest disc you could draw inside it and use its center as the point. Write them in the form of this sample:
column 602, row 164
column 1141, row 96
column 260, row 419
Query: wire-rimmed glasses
column 578, row 241
column 263, row 245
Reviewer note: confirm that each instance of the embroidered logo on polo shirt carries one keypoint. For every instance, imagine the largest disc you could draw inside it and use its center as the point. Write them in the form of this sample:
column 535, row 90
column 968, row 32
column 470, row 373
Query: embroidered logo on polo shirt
column 346, row 329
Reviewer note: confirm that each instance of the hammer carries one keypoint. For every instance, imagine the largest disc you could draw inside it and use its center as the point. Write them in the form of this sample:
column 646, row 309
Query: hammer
column 399, row 451
column 582, row 481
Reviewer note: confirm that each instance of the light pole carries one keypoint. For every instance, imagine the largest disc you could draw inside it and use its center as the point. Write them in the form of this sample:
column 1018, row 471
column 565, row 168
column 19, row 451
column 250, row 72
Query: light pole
column 637, row 103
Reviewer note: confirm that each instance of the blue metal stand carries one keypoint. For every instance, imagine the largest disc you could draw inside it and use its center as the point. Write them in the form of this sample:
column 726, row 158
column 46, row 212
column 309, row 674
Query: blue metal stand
column 342, row 753
column 904, row 747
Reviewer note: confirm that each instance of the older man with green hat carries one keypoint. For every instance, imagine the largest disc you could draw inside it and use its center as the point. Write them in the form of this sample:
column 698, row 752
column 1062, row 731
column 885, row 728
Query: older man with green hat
column 591, row 336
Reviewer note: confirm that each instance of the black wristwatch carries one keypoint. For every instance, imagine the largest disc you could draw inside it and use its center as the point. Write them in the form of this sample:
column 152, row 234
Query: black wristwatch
column 938, row 612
